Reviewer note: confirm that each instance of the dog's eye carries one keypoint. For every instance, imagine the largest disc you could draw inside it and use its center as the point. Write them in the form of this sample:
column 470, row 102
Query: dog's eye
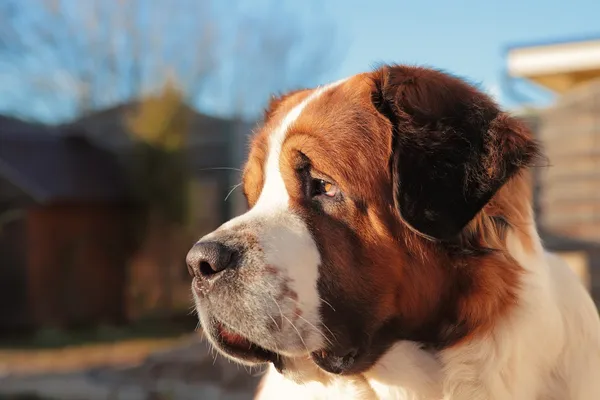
column 324, row 188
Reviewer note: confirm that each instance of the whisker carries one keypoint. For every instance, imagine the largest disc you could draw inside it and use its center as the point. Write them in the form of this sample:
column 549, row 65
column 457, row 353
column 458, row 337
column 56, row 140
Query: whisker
column 270, row 316
column 275, row 322
column 275, row 301
column 317, row 330
column 273, row 319
column 291, row 323
column 215, row 354
column 231, row 191
column 281, row 314
column 330, row 332
column 298, row 332
column 261, row 371
column 329, row 304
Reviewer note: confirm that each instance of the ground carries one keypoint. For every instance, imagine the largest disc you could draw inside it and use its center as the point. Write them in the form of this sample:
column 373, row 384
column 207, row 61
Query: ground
column 170, row 368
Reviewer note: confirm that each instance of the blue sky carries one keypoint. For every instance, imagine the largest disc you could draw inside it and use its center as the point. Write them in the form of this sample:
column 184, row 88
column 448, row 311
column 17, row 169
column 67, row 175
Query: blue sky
column 468, row 38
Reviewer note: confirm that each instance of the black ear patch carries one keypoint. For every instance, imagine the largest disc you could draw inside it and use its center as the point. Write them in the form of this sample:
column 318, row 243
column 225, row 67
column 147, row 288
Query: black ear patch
column 452, row 147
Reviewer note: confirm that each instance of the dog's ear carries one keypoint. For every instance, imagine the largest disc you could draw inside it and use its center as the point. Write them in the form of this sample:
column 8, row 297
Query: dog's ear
column 452, row 147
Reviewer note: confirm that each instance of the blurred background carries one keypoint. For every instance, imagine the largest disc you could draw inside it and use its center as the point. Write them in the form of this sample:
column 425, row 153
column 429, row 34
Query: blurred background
column 123, row 125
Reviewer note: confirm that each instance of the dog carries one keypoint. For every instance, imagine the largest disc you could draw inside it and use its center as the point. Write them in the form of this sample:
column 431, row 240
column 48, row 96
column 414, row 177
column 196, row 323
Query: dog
column 390, row 252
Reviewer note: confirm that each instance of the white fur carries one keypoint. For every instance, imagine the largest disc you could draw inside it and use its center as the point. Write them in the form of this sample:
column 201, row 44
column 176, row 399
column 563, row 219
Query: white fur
column 543, row 349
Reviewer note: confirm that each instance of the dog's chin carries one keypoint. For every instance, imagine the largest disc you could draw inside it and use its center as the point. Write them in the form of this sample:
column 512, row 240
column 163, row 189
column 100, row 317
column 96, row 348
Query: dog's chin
column 237, row 347
column 244, row 351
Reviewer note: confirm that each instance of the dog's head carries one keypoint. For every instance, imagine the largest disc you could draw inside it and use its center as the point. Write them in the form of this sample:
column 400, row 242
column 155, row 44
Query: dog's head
column 378, row 210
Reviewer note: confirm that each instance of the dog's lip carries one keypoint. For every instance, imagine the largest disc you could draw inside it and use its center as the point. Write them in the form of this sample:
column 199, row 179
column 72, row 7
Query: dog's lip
column 239, row 347
column 335, row 363
column 232, row 339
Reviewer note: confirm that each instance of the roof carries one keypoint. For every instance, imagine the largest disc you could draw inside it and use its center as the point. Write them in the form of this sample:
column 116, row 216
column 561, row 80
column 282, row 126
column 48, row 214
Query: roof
column 214, row 144
column 558, row 66
column 52, row 168
column 12, row 125
column 556, row 41
column 108, row 127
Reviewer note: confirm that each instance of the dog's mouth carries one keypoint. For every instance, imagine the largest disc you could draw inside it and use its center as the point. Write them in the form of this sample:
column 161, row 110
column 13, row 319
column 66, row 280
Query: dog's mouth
column 243, row 350
column 239, row 347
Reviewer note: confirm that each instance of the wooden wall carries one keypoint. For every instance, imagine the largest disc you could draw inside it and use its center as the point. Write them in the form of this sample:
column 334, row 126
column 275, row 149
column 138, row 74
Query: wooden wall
column 76, row 264
column 570, row 196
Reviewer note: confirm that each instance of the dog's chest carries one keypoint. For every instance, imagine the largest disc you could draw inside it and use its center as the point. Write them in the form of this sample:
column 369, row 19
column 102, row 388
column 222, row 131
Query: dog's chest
column 274, row 385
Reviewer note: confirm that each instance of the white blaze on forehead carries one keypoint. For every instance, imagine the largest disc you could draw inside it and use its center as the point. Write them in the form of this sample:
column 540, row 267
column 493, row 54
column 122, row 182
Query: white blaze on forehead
column 274, row 194
column 285, row 240
column 290, row 245
column 274, row 191
column 283, row 236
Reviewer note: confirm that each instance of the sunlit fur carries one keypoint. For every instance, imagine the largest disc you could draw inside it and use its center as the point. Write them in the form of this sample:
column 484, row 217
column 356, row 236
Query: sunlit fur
column 531, row 330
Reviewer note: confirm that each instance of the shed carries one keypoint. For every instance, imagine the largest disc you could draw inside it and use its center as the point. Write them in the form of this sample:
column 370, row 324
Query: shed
column 63, row 229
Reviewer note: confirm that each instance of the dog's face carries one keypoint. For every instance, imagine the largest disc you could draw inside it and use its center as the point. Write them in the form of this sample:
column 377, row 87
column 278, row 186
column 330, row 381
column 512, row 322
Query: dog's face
column 360, row 230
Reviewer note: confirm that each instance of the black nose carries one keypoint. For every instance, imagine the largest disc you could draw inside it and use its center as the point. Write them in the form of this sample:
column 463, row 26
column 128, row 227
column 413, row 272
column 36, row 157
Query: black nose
column 207, row 259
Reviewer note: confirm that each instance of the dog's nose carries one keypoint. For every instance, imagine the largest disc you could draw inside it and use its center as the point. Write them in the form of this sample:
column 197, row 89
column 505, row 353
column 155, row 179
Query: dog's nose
column 207, row 260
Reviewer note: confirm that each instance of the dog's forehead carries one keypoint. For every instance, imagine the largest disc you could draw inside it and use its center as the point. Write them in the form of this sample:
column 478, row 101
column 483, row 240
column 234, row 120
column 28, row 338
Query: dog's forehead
column 343, row 134
column 335, row 125
column 344, row 101
column 318, row 110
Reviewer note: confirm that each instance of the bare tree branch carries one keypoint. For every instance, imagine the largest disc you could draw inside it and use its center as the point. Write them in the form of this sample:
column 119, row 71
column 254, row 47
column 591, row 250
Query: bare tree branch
column 82, row 56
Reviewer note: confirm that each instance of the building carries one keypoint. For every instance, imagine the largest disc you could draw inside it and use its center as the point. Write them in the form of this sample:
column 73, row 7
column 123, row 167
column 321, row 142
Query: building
column 567, row 191
column 569, row 130
column 69, row 253
column 216, row 148
column 557, row 66
column 63, row 229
